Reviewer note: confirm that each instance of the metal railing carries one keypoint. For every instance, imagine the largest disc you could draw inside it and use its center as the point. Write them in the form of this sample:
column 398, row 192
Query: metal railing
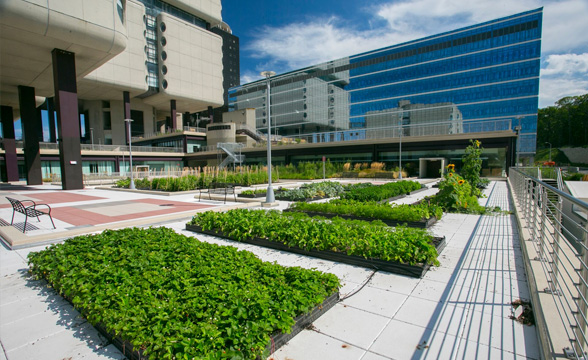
column 112, row 148
column 557, row 226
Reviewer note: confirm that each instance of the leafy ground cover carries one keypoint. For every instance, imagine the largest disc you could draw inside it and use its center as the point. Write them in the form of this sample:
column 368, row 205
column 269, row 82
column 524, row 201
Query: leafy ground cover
column 369, row 240
column 178, row 298
column 201, row 181
column 372, row 210
column 381, row 192
column 314, row 190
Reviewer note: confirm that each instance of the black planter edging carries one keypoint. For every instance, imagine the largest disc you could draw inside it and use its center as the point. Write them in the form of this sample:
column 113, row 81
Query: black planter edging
column 302, row 322
column 383, row 265
column 423, row 188
column 415, row 224
column 254, row 196
column 277, row 340
column 305, row 200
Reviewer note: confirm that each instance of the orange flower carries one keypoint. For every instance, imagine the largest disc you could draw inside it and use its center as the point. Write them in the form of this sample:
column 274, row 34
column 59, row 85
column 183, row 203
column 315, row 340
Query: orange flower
column 460, row 182
column 465, row 205
column 450, row 174
column 451, row 166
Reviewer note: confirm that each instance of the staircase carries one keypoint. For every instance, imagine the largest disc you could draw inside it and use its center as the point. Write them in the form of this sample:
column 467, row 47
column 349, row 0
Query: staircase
column 251, row 132
column 231, row 150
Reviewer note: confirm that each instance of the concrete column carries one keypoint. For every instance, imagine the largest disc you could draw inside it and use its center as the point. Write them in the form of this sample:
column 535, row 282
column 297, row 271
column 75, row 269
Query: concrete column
column 185, row 119
column 127, row 110
column 68, row 123
column 11, row 162
column 173, row 114
column 31, row 125
column 51, row 115
column 211, row 114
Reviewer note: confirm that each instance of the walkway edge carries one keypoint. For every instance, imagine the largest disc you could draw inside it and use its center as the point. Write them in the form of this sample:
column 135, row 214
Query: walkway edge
column 550, row 330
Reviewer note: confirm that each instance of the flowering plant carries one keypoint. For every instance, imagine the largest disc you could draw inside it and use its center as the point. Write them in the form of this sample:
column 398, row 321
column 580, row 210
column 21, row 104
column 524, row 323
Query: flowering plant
column 455, row 193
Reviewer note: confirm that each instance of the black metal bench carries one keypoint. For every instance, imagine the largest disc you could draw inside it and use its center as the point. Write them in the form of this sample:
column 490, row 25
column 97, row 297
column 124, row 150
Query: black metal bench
column 219, row 187
column 29, row 211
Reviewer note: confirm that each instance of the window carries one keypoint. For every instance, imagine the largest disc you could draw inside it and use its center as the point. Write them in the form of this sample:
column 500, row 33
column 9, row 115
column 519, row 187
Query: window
column 106, row 120
column 120, row 8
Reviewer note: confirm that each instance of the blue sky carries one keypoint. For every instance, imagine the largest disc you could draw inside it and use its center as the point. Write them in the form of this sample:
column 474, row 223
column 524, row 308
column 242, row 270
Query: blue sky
column 288, row 35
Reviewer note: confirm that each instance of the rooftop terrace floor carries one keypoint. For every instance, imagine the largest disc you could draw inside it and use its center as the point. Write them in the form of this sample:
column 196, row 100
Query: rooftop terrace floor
column 459, row 310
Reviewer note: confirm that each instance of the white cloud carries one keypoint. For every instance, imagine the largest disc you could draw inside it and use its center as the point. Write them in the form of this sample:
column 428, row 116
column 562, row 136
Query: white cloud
column 565, row 64
column 553, row 89
column 301, row 44
column 249, row 76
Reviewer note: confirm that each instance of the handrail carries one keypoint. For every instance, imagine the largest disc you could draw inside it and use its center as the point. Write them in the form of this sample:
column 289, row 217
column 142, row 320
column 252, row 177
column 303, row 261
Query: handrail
column 554, row 227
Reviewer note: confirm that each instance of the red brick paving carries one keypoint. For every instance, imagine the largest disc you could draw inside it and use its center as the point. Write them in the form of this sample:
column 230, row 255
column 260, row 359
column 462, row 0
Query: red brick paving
column 53, row 198
column 77, row 217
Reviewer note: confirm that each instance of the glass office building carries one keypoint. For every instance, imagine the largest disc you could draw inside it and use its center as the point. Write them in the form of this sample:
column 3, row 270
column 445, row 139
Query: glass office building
column 480, row 77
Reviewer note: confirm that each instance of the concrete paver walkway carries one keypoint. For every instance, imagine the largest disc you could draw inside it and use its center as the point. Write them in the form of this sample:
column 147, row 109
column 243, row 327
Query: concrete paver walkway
column 459, row 310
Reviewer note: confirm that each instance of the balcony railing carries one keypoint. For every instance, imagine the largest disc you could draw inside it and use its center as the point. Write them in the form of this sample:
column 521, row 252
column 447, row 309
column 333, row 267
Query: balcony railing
column 554, row 225
column 112, row 148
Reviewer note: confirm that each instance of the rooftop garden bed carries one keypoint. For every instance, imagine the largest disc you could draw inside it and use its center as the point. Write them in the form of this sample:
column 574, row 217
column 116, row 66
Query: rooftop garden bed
column 420, row 215
column 169, row 296
column 313, row 191
column 386, row 192
column 402, row 250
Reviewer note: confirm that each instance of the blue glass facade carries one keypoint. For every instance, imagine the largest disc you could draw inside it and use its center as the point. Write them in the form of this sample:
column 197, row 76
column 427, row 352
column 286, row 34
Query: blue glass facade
column 482, row 73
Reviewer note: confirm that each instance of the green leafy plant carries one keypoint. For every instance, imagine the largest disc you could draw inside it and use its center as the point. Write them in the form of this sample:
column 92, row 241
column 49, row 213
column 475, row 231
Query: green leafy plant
column 372, row 210
column 352, row 237
column 455, row 194
column 380, row 192
column 323, row 189
column 472, row 166
column 178, row 298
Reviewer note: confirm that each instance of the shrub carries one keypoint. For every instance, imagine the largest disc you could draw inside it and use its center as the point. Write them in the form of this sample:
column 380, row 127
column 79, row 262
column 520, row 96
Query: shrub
column 472, row 166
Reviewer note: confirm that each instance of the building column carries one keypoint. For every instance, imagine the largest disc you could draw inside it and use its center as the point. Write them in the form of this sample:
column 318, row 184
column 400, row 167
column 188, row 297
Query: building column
column 127, row 110
column 11, row 162
column 51, row 116
column 68, row 123
column 210, row 114
column 173, row 114
column 185, row 119
column 31, row 125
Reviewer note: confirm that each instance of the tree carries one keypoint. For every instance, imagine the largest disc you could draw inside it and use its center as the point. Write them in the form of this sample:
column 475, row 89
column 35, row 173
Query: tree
column 472, row 166
column 565, row 123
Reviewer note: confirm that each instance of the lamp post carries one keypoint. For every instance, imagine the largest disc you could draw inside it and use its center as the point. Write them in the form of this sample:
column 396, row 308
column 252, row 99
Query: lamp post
column 132, row 184
column 518, row 131
column 270, row 198
column 547, row 142
column 92, row 137
column 400, row 146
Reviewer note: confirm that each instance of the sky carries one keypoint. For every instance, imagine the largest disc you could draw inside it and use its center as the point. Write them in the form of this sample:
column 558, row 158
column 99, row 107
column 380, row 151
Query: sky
column 287, row 35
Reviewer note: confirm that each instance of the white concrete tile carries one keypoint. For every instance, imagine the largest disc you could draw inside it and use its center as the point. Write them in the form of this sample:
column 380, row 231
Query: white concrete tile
column 109, row 352
column 371, row 356
column 350, row 325
column 401, row 340
column 351, row 273
column 393, row 282
column 71, row 343
column 377, row 301
column 312, row 345
column 28, row 330
column 29, row 307
column 502, row 333
column 475, row 350
column 23, row 290
column 348, row 287
column 444, row 317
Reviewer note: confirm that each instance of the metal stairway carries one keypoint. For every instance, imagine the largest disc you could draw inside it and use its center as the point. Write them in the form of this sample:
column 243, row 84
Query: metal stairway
column 231, row 150
column 251, row 132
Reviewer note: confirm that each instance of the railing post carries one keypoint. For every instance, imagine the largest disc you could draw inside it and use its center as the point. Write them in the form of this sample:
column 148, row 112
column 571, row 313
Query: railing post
column 581, row 325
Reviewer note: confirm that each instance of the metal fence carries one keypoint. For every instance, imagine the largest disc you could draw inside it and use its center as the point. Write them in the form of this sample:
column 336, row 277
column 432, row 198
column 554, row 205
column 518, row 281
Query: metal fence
column 112, row 148
column 557, row 226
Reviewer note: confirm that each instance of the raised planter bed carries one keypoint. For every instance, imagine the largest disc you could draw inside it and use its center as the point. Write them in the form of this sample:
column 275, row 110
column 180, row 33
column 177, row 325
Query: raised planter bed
column 278, row 197
column 382, row 265
column 423, row 188
column 276, row 341
column 416, row 224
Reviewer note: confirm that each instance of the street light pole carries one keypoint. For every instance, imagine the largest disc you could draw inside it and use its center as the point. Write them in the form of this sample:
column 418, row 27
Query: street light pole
column 518, row 130
column 547, row 142
column 132, row 184
column 400, row 146
column 270, row 198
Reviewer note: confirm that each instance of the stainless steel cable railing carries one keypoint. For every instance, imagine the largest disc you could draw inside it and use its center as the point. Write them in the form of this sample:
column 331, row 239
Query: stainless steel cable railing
column 557, row 226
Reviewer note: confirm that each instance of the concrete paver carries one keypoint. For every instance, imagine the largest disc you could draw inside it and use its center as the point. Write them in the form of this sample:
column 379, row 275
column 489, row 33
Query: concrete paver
column 458, row 310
